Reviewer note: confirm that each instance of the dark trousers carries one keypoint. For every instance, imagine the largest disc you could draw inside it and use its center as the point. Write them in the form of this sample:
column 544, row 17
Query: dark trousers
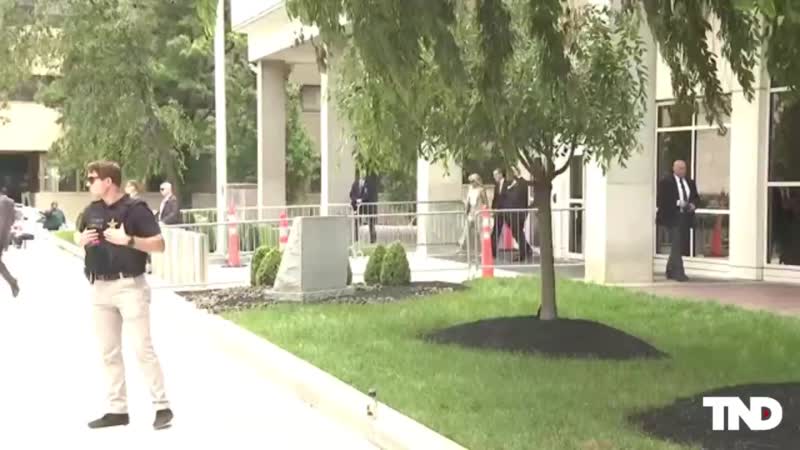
column 373, row 235
column 678, row 235
column 516, row 222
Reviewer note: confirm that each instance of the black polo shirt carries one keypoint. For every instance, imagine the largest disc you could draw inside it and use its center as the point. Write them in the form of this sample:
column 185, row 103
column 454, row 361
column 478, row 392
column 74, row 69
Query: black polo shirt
column 138, row 220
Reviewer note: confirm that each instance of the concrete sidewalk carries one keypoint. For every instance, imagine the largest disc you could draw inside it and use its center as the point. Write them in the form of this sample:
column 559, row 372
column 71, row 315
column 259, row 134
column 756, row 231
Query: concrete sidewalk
column 51, row 380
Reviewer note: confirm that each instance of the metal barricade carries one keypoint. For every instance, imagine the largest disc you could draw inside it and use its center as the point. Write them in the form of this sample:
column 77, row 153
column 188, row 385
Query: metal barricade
column 252, row 233
column 516, row 242
column 185, row 258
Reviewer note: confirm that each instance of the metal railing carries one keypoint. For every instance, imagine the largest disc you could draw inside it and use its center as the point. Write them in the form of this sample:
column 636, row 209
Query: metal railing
column 515, row 237
column 209, row 215
column 426, row 230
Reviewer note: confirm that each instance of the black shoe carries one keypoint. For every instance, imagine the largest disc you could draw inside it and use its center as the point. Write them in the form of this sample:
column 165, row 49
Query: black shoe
column 110, row 420
column 681, row 278
column 163, row 419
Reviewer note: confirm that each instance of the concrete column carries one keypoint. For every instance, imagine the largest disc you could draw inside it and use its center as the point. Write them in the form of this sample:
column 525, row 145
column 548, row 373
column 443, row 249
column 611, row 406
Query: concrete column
column 438, row 182
column 336, row 148
column 271, row 85
column 748, row 207
column 620, row 205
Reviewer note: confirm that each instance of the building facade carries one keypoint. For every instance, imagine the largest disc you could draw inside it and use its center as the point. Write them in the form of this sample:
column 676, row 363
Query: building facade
column 747, row 173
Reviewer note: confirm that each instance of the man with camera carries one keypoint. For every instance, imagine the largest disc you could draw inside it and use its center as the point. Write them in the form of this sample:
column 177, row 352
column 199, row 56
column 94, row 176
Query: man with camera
column 117, row 233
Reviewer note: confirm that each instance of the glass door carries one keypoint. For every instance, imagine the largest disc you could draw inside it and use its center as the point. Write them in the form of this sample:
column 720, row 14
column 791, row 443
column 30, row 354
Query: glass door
column 576, row 184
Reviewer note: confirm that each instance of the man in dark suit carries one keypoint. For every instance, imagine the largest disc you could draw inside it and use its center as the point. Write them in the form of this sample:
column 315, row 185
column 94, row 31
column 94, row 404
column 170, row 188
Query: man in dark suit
column 677, row 200
column 500, row 201
column 518, row 196
column 363, row 200
column 169, row 212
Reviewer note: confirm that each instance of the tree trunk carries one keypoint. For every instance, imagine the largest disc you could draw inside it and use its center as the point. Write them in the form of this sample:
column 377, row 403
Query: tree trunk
column 548, row 309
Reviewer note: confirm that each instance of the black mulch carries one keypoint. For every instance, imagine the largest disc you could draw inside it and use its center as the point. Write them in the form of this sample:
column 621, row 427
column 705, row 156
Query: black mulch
column 242, row 298
column 687, row 422
column 569, row 338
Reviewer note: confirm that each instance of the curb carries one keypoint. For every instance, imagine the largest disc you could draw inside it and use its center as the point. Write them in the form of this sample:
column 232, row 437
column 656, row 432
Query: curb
column 70, row 248
column 387, row 429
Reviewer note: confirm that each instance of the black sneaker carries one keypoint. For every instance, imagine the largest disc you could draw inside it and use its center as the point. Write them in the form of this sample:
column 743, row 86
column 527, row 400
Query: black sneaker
column 163, row 419
column 110, row 420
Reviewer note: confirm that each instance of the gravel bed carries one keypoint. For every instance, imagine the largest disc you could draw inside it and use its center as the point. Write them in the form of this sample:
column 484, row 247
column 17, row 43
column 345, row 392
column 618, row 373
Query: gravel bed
column 243, row 298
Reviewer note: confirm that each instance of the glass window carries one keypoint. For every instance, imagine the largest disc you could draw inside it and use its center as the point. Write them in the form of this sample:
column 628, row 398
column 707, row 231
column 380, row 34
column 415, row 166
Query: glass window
column 783, row 232
column 576, row 177
column 710, row 235
column 674, row 145
column 712, row 168
column 706, row 152
column 674, row 116
column 784, row 154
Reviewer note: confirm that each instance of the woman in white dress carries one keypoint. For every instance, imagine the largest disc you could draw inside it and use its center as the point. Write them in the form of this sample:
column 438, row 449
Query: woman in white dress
column 475, row 201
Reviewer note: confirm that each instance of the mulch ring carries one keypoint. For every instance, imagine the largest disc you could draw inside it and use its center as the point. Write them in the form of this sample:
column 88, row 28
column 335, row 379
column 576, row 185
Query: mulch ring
column 242, row 298
column 687, row 422
column 569, row 338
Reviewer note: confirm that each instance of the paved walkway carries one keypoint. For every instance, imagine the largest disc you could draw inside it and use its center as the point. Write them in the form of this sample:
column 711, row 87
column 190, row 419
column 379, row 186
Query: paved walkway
column 51, row 381
column 754, row 295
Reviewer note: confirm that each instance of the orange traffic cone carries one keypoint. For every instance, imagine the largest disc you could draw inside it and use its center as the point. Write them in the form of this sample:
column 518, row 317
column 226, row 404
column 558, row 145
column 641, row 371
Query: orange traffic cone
column 283, row 238
column 508, row 238
column 487, row 260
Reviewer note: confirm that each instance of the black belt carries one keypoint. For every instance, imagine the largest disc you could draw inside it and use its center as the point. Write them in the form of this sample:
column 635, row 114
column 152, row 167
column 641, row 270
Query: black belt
column 113, row 276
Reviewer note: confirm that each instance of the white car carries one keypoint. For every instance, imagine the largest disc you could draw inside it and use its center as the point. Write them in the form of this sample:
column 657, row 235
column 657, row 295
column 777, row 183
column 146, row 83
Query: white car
column 26, row 225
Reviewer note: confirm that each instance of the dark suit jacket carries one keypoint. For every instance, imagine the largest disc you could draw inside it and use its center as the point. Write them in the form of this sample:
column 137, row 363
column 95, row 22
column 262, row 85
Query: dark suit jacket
column 517, row 197
column 667, row 199
column 367, row 194
column 500, row 199
column 171, row 214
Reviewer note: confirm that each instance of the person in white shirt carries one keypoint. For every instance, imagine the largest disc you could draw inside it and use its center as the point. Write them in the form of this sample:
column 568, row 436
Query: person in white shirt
column 677, row 201
column 474, row 202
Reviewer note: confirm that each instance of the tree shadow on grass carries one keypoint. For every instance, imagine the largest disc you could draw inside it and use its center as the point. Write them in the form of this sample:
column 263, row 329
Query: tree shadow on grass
column 570, row 338
column 686, row 421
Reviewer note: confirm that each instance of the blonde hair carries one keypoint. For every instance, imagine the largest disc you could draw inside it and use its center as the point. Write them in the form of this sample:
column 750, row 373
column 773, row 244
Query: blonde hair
column 135, row 185
column 475, row 178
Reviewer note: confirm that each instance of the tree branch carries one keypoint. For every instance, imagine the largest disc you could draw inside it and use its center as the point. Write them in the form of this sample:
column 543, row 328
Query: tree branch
column 563, row 168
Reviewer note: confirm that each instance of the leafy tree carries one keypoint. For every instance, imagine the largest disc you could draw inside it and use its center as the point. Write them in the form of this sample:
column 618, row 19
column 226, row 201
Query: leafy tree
column 136, row 84
column 517, row 111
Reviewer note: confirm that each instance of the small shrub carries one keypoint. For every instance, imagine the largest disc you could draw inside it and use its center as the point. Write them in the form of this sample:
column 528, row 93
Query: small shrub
column 372, row 274
column 395, row 270
column 268, row 268
column 258, row 256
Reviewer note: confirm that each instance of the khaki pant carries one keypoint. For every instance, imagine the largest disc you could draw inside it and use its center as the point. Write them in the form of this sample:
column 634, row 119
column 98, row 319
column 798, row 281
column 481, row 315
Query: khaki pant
column 126, row 302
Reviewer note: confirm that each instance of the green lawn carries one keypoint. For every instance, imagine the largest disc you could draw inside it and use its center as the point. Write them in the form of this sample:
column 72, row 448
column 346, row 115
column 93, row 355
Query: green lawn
column 67, row 235
column 492, row 400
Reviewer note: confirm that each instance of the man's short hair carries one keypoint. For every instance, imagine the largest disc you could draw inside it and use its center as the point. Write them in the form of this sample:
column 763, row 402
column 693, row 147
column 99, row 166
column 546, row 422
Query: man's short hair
column 106, row 169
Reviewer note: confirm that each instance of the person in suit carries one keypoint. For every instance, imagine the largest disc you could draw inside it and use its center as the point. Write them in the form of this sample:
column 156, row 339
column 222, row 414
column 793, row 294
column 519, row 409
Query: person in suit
column 363, row 200
column 518, row 199
column 169, row 212
column 500, row 201
column 8, row 216
column 677, row 200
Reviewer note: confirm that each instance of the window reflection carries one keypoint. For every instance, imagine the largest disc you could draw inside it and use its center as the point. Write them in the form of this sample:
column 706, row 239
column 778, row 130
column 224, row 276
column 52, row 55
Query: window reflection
column 674, row 145
column 713, row 168
column 784, row 155
column 784, row 225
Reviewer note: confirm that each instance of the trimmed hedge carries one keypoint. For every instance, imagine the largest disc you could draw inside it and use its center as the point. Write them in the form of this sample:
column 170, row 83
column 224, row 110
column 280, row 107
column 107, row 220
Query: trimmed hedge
column 372, row 274
column 267, row 269
column 395, row 270
column 258, row 256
